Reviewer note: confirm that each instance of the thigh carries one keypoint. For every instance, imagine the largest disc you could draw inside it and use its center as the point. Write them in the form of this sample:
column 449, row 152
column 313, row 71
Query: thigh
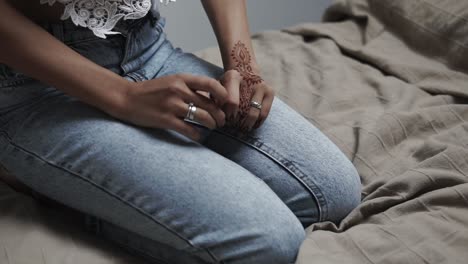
column 155, row 183
column 304, row 168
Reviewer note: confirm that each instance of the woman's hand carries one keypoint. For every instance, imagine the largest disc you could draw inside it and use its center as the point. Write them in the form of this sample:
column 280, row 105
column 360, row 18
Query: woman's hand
column 241, row 91
column 163, row 103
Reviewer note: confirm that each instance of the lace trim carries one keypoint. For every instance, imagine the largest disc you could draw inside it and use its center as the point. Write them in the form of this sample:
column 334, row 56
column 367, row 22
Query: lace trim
column 101, row 16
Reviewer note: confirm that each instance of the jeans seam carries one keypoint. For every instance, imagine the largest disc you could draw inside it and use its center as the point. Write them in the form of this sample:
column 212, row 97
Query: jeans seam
column 32, row 154
column 127, row 48
column 5, row 133
column 25, row 104
column 171, row 59
column 309, row 184
column 130, row 35
column 137, row 76
column 90, row 39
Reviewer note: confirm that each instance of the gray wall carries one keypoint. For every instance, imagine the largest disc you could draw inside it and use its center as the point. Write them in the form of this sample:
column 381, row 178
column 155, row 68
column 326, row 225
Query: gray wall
column 188, row 26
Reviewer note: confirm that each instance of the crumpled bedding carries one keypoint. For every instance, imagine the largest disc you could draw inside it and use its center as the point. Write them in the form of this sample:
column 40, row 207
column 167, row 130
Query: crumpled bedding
column 387, row 82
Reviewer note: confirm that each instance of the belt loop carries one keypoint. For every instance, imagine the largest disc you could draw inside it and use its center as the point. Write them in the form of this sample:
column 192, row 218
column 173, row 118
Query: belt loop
column 127, row 50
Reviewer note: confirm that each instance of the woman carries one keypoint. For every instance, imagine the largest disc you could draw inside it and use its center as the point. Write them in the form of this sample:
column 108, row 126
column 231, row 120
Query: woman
column 108, row 118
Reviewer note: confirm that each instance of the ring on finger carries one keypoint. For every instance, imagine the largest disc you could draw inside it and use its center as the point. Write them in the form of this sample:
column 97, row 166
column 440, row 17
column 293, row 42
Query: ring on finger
column 190, row 117
column 191, row 112
column 256, row 105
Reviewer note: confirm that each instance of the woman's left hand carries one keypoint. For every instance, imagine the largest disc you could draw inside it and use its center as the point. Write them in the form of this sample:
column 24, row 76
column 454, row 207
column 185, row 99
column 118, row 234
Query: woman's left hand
column 241, row 91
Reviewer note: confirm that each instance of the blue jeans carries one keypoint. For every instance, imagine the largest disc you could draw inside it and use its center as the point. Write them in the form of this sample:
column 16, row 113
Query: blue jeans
column 231, row 198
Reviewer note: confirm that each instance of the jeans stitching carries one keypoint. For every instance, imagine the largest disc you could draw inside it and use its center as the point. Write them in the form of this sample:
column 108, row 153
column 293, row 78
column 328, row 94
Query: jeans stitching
column 10, row 77
column 34, row 155
column 129, row 42
column 140, row 77
column 314, row 190
column 171, row 59
column 308, row 183
column 5, row 133
column 12, row 82
column 136, row 76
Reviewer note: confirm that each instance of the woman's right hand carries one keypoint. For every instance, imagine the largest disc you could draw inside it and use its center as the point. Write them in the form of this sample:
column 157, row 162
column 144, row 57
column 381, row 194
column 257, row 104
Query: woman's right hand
column 163, row 103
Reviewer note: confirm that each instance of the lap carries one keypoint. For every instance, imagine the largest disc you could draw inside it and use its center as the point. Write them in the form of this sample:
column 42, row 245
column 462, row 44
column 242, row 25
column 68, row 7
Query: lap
column 154, row 182
column 304, row 167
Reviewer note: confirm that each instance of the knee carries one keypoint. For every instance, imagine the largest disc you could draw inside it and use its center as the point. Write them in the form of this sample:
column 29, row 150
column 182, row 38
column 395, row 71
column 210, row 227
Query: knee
column 345, row 195
column 273, row 238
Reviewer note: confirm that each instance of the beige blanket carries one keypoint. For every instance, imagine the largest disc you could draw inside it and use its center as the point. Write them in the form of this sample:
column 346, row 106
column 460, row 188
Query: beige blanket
column 387, row 81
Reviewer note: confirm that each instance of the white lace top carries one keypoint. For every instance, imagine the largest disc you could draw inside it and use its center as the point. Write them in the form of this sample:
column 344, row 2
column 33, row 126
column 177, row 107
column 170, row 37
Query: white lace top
column 101, row 16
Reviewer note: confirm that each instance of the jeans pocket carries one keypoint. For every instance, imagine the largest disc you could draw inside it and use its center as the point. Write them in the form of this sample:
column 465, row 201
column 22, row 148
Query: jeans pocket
column 10, row 77
column 22, row 92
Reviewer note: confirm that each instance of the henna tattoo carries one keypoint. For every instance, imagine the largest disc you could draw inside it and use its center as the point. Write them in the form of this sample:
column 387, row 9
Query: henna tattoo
column 242, row 57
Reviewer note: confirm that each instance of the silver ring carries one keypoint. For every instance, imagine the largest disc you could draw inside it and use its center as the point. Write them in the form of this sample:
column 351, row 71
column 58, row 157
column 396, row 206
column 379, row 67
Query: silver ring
column 191, row 112
column 256, row 105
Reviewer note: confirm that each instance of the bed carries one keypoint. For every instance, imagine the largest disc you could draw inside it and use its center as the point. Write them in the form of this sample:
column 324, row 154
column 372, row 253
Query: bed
column 387, row 81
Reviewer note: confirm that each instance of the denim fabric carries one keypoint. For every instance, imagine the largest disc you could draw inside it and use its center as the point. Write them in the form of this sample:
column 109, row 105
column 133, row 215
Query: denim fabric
column 231, row 198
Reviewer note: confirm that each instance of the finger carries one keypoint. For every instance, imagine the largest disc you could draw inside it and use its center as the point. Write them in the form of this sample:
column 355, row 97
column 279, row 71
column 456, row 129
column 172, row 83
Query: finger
column 201, row 101
column 254, row 112
column 185, row 129
column 206, row 84
column 266, row 108
column 232, row 85
column 200, row 115
column 208, row 105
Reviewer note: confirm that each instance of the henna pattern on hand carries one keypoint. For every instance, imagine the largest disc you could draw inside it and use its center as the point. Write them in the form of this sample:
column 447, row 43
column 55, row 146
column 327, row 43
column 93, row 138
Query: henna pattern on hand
column 242, row 57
